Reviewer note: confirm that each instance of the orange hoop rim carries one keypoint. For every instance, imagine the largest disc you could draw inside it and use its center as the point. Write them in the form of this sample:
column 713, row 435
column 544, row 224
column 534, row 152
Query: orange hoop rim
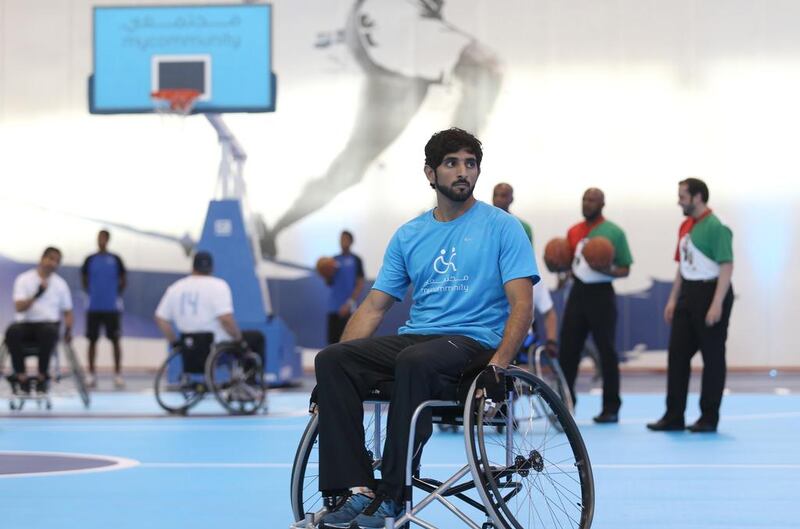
column 175, row 100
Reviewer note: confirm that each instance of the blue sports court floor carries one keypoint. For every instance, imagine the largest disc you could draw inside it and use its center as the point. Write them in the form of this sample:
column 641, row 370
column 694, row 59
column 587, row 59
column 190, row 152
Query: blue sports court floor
column 214, row 471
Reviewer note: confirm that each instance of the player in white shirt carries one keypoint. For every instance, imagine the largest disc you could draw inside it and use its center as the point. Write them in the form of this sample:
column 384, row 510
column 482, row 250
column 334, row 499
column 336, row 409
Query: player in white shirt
column 198, row 303
column 41, row 299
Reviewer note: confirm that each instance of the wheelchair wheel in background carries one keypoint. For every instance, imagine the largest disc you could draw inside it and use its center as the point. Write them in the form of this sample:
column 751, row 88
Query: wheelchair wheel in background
column 177, row 391
column 304, row 490
column 549, row 370
column 533, row 474
column 3, row 355
column 237, row 380
column 78, row 374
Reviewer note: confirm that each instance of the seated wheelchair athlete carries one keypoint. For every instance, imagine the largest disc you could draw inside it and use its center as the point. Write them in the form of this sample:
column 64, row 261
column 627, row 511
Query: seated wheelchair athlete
column 32, row 389
column 232, row 371
column 211, row 350
column 41, row 300
column 472, row 269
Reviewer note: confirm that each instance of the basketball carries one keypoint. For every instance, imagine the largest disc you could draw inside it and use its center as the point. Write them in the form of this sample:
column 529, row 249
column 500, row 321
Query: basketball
column 599, row 253
column 326, row 267
column 557, row 255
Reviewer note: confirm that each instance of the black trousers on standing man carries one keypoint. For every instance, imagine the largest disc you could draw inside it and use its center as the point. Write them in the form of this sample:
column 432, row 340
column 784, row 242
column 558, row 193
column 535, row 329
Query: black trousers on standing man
column 690, row 333
column 421, row 367
column 591, row 307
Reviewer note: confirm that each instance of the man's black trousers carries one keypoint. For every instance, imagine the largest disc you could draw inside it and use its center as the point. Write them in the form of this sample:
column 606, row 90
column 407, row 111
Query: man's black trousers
column 42, row 335
column 420, row 367
column 690, row 333
column 336, row 325
column 591, row 307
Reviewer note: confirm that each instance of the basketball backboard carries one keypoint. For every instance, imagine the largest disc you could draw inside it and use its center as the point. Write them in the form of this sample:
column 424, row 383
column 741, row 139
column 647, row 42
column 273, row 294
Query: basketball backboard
column 222, row 51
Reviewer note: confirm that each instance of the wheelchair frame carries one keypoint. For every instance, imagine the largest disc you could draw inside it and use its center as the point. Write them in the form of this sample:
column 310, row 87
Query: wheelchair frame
column 492, row 485
column 225, row 393
column 18, row 400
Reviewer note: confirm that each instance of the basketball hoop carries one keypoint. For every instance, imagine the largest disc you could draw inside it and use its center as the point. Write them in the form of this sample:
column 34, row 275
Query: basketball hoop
column 175, row 101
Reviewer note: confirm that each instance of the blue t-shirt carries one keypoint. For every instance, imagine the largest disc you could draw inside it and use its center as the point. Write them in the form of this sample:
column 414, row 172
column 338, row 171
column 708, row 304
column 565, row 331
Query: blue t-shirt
column 343, row 283
column 458, row 270
column 102, row 273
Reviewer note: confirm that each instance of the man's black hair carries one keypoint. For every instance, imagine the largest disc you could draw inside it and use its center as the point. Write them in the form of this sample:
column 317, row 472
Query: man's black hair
column 346, row 232
column 696, row 186
column 106, row 233
column 51, row 249
column 449, row 141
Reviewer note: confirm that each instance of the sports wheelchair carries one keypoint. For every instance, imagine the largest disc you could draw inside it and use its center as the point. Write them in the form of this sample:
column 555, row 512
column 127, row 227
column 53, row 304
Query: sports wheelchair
column 534, row 358
column 40, row 395
column 527, row 473
column 198, row 367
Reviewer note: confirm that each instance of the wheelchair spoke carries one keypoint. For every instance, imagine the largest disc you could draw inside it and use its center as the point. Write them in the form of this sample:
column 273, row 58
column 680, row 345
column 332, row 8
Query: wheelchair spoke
column 543, row 459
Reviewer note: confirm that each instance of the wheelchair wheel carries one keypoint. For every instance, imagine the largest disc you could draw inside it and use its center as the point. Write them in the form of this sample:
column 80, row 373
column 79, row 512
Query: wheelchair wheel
column 533, row 474
column 305, row 494
column 78, row 375
column 237, row 380
column 177, row 391
column 549, row 370
column 3, row 355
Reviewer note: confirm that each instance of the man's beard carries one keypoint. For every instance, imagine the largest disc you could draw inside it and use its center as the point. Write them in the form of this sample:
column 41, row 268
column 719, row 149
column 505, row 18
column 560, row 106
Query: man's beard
column 590, row 216
column 456, row 194
column 688, row 210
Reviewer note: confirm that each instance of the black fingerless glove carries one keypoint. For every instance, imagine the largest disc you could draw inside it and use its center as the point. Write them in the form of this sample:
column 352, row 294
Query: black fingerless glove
column 39, row 291
column 492, row 381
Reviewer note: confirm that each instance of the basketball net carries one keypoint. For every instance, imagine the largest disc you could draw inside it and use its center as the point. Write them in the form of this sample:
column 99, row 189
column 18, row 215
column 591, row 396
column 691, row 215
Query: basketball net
column 174, row 101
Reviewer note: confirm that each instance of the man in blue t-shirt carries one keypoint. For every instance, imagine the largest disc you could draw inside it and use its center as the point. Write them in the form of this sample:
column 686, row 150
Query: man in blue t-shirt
column 104, row 276
column 346, row 285
column 471, row 269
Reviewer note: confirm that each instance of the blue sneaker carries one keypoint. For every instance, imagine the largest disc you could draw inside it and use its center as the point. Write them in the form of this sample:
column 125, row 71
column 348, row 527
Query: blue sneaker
column 374, row 516
column 344, row 515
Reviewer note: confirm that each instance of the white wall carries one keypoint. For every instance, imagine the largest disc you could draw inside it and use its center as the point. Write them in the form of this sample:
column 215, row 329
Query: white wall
column 627, row 95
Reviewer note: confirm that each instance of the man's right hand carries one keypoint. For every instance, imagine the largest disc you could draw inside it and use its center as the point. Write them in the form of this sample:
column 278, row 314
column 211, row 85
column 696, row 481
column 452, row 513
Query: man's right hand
column 669, row 311
column 491, row 384
column 41, row 289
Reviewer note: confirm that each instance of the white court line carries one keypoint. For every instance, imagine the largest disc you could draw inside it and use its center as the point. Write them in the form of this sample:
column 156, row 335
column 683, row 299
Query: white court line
column 621, row 466
column 118, row 463
column 724, row 418
column 216, row 465
column 156, row 428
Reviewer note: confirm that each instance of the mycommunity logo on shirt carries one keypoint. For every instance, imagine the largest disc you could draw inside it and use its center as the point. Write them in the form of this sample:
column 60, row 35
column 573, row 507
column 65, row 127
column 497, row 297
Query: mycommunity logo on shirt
column 442, row 266
column 442, row 282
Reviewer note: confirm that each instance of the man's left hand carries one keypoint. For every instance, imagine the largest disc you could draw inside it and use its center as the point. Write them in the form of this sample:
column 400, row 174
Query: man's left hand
column 714, row 314
column 68, row 335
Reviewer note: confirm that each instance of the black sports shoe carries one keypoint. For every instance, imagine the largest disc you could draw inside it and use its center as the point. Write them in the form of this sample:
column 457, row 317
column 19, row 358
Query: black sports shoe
column 702, row 426
column 666, row 424
column 606, row 417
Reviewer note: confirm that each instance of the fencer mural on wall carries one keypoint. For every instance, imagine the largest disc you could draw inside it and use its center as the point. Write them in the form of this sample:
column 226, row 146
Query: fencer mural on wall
column 402, row 47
